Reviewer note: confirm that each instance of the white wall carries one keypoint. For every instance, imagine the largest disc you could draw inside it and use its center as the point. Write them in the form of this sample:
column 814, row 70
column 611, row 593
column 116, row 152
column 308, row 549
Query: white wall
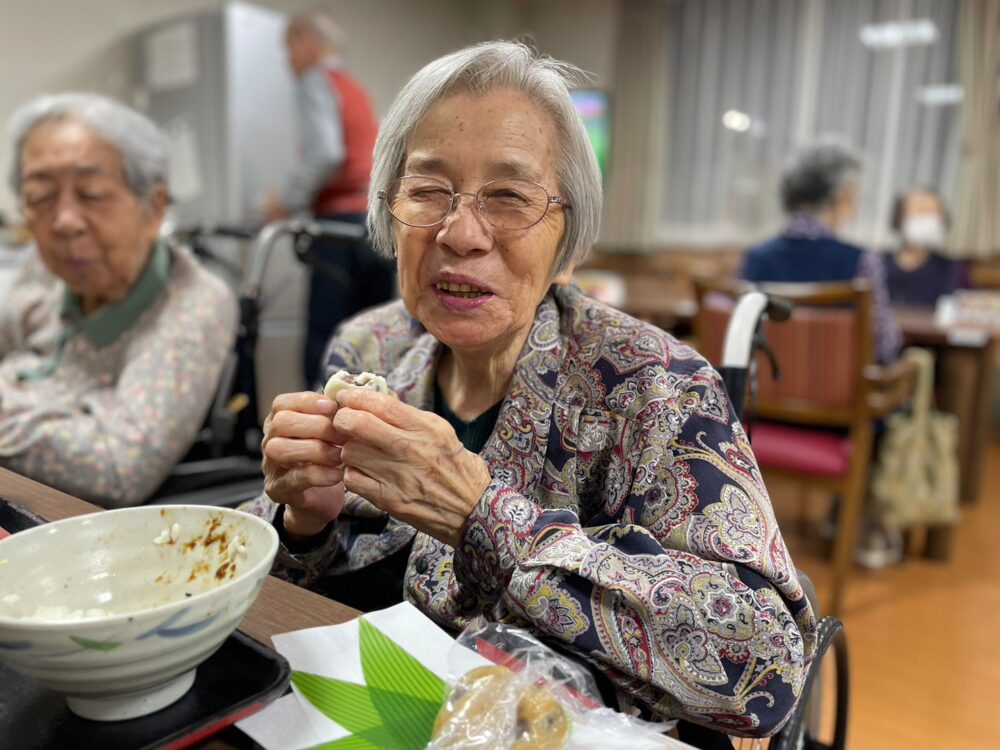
column 579, row 31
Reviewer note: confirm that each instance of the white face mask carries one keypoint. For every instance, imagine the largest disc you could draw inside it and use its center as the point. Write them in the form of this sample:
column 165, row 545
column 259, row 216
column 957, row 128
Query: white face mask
column 926, row 230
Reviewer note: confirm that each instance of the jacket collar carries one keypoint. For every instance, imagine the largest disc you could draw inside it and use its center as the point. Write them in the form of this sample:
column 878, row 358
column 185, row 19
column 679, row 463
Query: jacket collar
column 111, row 321
column 516, row 450
column 104, row 326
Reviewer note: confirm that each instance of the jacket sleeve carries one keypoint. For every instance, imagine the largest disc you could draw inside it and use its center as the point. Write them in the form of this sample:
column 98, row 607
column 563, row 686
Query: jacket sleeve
column 22, row 301
column 118, row 443
column 676, row 600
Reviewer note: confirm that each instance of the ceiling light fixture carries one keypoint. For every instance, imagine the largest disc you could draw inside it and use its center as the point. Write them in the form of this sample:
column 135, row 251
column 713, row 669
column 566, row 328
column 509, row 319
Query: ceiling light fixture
column 941, row 94
column 897, row 34
column 736, row 120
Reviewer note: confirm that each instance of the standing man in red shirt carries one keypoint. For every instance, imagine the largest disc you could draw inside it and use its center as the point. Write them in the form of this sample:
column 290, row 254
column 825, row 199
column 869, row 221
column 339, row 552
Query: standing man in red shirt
column 337, row 129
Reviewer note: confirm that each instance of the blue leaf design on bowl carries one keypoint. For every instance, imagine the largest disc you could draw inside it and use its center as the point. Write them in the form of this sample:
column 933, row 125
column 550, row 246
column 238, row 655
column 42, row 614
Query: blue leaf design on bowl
column 164, row 629
column 165, row 624
column 14, row 645
column 187, row 629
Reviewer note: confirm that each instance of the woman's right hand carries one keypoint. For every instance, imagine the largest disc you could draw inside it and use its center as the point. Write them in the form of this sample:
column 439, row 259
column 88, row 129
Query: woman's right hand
column 302, row 466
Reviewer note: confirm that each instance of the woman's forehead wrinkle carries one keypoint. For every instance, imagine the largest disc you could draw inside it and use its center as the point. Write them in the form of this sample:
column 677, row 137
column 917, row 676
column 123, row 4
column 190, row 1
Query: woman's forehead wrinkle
column 422, row 163
column 78, row 170
column 506, row 168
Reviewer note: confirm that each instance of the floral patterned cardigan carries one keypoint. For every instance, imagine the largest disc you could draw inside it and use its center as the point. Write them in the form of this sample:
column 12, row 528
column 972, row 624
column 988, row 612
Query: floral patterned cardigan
column 626, row 518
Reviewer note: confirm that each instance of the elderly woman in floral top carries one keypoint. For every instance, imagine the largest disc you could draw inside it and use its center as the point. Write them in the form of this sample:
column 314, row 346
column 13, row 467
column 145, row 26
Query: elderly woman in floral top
column 549, row 461
column 111, row 342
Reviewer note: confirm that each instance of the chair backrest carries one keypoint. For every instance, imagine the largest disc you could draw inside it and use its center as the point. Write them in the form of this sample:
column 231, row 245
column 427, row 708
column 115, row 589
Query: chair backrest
column 821, row 350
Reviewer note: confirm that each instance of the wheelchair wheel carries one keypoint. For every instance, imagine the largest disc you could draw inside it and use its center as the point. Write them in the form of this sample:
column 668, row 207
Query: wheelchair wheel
column 801, row 730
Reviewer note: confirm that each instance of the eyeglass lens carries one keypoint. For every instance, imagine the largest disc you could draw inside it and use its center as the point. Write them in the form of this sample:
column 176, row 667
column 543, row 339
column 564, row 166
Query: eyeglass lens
column 506, row 204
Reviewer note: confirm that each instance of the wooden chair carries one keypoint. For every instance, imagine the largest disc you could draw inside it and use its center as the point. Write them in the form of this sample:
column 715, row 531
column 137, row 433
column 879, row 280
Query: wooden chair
column 815, row 424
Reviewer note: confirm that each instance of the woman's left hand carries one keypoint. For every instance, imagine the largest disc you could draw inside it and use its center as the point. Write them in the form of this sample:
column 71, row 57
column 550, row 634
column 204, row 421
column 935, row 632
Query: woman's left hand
column 409, row 463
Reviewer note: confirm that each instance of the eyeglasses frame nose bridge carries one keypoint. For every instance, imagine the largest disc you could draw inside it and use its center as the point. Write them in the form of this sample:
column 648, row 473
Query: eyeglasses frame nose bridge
column 456, row 201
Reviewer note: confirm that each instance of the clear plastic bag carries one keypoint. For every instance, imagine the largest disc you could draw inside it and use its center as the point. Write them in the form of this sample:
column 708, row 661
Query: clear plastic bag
column 531, row 698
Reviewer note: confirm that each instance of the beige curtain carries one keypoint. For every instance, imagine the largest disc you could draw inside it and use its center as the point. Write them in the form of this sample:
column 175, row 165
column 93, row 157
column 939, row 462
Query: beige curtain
column 976, row 230
column 635, row 180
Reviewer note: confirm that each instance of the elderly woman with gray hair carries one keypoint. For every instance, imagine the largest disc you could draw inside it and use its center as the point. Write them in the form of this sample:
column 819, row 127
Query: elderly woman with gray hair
column 819, row 192
column 111, row 342
column 549, row 461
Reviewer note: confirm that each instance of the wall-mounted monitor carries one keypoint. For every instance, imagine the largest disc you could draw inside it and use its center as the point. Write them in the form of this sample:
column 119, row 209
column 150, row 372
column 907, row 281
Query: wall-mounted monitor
column 594, row 106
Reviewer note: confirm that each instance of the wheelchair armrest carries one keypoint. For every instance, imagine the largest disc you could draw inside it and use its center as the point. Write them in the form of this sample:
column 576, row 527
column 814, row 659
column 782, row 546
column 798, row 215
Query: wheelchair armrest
column 197, row 482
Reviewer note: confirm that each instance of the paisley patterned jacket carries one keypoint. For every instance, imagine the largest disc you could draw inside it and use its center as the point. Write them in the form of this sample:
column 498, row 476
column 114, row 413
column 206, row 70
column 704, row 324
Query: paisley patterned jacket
column 626, row 517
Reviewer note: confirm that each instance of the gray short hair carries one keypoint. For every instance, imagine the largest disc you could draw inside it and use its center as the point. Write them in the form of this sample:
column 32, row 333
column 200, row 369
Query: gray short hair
column 479, row 69
column 321, row 23
column 815, row 173
column 142, row 146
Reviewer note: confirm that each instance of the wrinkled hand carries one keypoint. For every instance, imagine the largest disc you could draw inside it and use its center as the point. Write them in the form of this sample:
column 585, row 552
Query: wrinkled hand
column 408, row 462
column 302, row 462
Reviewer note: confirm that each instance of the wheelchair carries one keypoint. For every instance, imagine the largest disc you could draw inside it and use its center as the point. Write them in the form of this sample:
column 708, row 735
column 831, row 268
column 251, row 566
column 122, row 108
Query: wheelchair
column 223, row 466
column 744, row 337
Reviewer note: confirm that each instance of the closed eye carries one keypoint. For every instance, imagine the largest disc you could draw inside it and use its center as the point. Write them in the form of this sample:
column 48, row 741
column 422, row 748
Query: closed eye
column 428, row 193
column 507, row 196
column 93, row 197
column 38, row 199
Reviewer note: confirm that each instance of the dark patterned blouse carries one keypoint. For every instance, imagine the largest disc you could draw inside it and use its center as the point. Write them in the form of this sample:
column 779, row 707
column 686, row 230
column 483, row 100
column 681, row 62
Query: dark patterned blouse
column 626, row 518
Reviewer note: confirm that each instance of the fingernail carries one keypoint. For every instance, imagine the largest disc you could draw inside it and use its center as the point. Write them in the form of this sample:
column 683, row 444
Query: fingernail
column 325, row 405
column 333, row 475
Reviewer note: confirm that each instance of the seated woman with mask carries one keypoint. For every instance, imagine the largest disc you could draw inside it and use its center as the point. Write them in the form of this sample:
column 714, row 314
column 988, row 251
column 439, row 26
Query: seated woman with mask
column 549, row 461
column 916, row 273
column 111, row 342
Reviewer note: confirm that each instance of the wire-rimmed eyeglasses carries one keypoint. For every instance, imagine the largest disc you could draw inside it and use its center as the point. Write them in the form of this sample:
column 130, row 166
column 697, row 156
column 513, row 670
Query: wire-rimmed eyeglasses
column 505, row 204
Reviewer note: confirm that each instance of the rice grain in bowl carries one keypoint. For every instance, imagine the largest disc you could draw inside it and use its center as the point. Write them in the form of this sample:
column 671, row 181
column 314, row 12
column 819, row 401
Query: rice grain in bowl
column 116, row 609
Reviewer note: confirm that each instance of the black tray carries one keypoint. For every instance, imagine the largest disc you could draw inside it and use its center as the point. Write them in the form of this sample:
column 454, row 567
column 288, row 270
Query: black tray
column 14, row 517
column 238, row 679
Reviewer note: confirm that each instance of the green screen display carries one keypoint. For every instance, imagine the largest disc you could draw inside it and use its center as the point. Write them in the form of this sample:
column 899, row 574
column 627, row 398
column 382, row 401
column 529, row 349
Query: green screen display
column 594, row 108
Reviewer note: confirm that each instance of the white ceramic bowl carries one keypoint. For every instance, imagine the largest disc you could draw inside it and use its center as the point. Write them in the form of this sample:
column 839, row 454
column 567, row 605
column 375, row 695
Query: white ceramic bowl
column 111, row 611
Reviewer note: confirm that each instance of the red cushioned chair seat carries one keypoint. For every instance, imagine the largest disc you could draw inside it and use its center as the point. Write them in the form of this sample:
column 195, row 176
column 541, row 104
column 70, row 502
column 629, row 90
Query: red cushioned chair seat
column 801, row 450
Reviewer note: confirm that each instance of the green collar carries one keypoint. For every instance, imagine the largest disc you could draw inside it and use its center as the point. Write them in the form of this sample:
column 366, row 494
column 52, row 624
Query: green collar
column 111, row 321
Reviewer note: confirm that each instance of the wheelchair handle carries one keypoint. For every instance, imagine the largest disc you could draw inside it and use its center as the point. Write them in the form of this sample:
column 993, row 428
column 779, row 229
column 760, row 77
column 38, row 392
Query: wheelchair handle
column 778, row 308
column 742, row 333
column 269, row 235
column 212, row 229
column 744, row 336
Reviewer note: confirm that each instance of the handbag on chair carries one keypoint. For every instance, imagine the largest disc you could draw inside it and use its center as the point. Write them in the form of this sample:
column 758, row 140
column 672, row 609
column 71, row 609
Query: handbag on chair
column 915, row 478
